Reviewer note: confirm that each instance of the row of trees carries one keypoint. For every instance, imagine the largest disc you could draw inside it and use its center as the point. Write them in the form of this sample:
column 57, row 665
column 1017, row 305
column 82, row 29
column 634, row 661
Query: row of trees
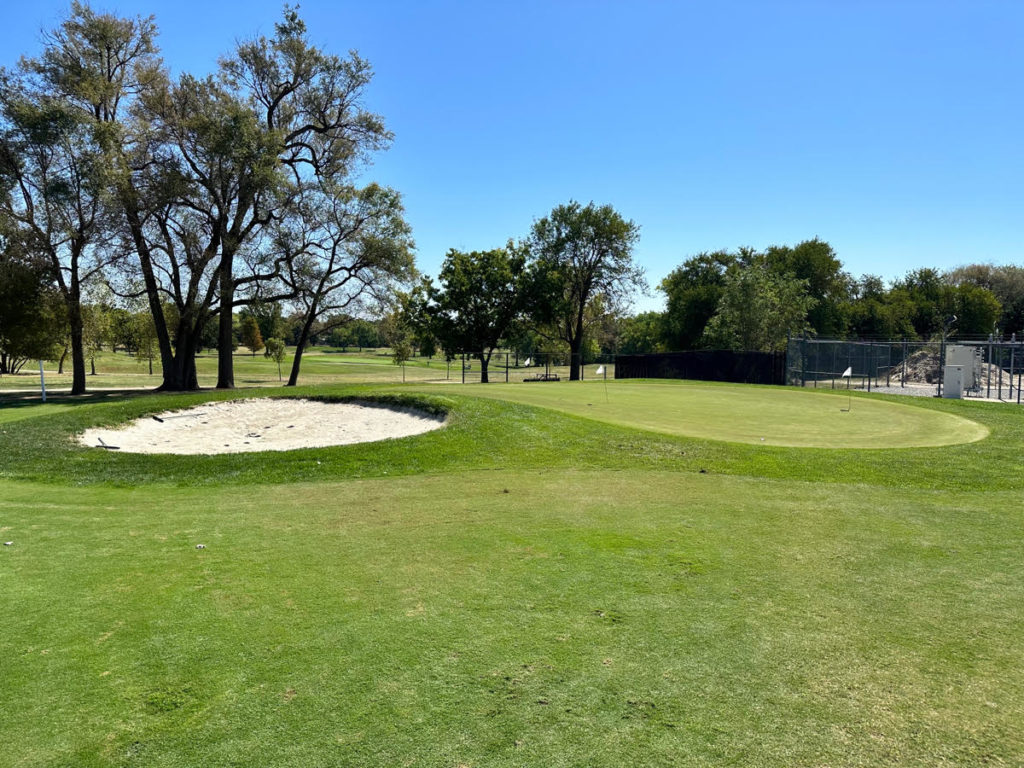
column 752, row 300
column 200, row 195
column 553, row 286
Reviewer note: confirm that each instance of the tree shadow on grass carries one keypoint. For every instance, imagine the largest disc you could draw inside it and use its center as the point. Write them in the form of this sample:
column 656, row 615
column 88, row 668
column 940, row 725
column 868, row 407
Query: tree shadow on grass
column 25, row 399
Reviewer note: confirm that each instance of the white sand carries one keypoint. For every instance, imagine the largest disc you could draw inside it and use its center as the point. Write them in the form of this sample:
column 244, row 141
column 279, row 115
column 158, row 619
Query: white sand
column 262, row 424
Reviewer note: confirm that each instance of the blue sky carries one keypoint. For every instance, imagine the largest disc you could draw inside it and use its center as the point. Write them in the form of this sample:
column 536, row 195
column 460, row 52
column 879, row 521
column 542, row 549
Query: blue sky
column 893, row 130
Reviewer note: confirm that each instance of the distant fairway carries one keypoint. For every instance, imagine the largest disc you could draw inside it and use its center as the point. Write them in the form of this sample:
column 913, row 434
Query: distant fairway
column 747, row 414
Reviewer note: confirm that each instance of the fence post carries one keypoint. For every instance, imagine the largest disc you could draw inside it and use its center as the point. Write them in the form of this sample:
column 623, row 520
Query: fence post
column 999, row 384
column 463, row 367
column 988, row 370
column 506, row 367
column 870, row 365
column 942, row 359
column 803, row 360
column 1013, row 350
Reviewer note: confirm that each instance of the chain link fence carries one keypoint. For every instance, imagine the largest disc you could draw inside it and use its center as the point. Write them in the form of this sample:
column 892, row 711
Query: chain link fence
column 905, row 367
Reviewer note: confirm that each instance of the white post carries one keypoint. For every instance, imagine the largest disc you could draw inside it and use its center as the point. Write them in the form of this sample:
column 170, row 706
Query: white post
column 42, row 380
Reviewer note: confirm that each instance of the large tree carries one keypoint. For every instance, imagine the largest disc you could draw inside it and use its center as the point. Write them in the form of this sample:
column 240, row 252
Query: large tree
column 31, row 309
column 1006, row 283
column 54, row 181
column 352, row 247
column 759, row 309
column 692, row 292
column 479, row 296
column 582, row 252
column 202, row 166
column 816, row 262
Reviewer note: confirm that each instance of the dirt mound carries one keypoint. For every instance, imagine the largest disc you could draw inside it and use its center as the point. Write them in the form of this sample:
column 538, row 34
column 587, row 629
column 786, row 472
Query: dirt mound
column 923, row 368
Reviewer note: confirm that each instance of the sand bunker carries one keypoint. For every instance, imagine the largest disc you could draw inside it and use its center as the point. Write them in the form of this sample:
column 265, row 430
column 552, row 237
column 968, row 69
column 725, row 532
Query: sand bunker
column 261, row 424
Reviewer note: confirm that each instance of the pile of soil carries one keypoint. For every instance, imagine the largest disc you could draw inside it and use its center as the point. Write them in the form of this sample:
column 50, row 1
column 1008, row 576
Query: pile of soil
column 923, row 368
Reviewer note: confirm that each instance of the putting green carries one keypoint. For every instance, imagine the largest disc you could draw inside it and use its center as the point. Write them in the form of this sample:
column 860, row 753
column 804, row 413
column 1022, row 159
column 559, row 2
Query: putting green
column 747, row 414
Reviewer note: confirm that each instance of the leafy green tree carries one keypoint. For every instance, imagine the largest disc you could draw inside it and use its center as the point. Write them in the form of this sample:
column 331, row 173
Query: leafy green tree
column 276, row 352
column 874, row 313
column 758, row 310
column 479, row 297
column 31, row 310
column 816, row 262
column 51, row 168
column 251, row 336
column 642, row 334
column 581, row 252
column 923, row 291
column 692, row 293
column 95, row 330
column 353, row 247
column 976, row 308
column 268, row 316
column 1006, row 282
column 145, row 338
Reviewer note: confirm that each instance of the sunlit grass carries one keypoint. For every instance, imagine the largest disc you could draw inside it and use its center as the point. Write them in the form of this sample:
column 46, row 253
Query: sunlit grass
column 528, row 586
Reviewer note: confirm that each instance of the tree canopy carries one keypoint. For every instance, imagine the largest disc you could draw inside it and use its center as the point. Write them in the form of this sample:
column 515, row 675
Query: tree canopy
column 582, row 252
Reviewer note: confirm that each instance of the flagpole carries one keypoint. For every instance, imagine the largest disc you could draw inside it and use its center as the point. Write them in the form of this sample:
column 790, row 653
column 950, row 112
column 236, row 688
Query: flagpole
column 848, row 374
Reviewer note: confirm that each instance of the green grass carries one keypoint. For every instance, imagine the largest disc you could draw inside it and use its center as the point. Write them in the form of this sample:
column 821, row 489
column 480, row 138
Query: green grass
column 529, row 586
column 320, row 365
column 773, row 415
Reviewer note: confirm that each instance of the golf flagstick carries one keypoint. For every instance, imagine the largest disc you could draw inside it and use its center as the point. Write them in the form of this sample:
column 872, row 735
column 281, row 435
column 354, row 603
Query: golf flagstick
column 848, row 373
column 600, row 372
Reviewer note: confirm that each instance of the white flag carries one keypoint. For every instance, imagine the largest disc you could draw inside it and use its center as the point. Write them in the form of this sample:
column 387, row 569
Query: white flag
column 848, row 372
column 600, row 370
column 526, row 363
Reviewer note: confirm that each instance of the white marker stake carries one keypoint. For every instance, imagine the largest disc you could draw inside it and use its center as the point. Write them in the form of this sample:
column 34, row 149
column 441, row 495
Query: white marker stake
column 42, row 380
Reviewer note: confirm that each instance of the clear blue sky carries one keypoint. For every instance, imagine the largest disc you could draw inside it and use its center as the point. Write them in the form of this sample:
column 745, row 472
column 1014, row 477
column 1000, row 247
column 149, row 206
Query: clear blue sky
column 891, row 129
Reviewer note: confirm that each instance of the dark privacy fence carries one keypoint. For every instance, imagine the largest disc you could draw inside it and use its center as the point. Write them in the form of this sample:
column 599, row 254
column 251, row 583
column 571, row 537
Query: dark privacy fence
column 705, row 365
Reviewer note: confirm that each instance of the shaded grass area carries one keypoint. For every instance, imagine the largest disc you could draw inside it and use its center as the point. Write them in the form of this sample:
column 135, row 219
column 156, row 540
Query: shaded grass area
column 487, row 434
column 517, row 617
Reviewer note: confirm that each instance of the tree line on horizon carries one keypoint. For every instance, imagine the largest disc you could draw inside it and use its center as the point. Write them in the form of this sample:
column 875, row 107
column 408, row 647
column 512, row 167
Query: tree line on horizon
column 755, row 300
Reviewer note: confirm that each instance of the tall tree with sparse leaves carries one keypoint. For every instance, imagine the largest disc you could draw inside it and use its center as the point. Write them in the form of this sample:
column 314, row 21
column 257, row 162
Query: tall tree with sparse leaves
column 581, row 252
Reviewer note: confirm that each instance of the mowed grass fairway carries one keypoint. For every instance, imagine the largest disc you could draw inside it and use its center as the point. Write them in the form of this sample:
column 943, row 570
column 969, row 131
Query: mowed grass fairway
column 774, row 415
column 529, row 586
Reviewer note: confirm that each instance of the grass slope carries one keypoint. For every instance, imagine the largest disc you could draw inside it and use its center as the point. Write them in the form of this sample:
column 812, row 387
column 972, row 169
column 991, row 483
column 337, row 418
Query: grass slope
column 526, row 587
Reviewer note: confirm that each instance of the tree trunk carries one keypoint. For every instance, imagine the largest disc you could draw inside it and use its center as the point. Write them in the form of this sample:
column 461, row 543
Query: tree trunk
column 77, row 350
column 574, row 359
column 484, row 360
column 300, row 345
column 163, row 337
column 225, row 335
column 182, row 374
column 63, row 357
